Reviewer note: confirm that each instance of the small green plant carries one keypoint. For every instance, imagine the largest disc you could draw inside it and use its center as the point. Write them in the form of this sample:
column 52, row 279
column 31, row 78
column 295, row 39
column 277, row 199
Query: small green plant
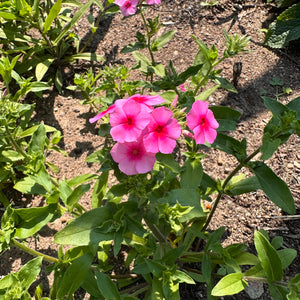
column 285, row 28
column 110, row 83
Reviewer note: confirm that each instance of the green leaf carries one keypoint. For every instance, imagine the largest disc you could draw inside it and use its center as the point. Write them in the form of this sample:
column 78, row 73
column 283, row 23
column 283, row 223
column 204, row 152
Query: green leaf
column 74, row 276
column 159, row 42
column 143, row 60
column 190, row 71
column 286, row 256
column 10, row 156
column 53, row 13
column 58, row 81
column 242, row 186
column 274, row 187
column 231, row 146
column 42, row 68
column 225, row 84
column 33, row 219
column 81, row 179
column 268, row 257
column 186, row 197
column 274, row 106
column 27, row 275
column 31, row 130
column 37, row 141
column 77, row 193
column 83, row 9
column 183, row 277
column 168, row 161
column 205, row 94
column 192, row 175
column 294, row 286
column 229, row 285
column 28, row 185
column 277, row 292
column 285, row 28
column 99, row 190
column 269, row 146
column 226, row 117
column 43, row 178
column 133, row 47
column 83, row 230
column 246, row 258
column 107, row 288
column 295, row 106
column 86, row 56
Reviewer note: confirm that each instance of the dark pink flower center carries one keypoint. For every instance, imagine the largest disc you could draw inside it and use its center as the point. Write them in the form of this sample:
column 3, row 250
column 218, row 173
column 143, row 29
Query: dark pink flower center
column 135, row 153
column 202, row 121
column 130, row 121
column 127, row 4
column 159, row 128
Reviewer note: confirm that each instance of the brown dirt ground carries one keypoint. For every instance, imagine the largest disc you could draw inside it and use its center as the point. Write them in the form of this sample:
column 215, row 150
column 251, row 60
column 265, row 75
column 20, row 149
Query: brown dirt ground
column 241, row 215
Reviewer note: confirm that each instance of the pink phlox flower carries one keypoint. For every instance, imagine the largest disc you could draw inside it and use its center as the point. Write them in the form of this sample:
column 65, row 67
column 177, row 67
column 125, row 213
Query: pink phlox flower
column 182, row 87
column 150, row 2
column 163, row 130
column 147, row 100
column 132, row 157
column 128, row 120
column 202, row 122
column 127, row 7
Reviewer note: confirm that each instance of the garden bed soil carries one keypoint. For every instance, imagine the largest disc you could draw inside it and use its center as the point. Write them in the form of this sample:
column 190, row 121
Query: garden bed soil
column 241, row 215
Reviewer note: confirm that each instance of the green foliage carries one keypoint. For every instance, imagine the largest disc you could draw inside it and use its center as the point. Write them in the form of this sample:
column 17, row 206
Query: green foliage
column 53, row 46
column 158, row 218
column 16, row 285
column 285, row 28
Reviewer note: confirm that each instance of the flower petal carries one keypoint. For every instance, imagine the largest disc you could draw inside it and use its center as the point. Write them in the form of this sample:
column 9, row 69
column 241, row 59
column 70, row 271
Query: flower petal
column 145, row 164
column 103, row 113
column 211, row 119
column 199, row 135
column 210, row 135
column 166, row 145
column 151, row 142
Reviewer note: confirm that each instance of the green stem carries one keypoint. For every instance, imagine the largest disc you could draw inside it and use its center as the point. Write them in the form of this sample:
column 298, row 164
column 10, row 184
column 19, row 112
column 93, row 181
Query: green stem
column 148, row 39
column 48, row 258
column 205, row 77
column 226, row 181
column 156, row 232
column 93, row 33
column 141, row 288
column 14, row 143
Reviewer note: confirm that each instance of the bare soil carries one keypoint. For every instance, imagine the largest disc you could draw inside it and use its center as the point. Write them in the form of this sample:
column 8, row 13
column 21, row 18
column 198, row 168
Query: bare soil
column 240, row 215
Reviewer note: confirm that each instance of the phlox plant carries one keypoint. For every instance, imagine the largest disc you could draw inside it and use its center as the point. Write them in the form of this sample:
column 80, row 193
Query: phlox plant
column 151, row 200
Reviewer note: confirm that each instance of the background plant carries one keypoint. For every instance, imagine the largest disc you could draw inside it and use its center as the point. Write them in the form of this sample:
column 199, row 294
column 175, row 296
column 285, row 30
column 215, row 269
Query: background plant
column 286, row 26
column 40, row 34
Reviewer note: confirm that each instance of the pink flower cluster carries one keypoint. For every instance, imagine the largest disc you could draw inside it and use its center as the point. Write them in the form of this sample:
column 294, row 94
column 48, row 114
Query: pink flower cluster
column 141, row 130
column 129, row 7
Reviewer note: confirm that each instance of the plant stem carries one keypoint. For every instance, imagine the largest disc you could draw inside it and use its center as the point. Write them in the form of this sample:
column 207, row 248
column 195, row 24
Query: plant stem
column 156, row 232
column 205, row 77
column 141, row 288
column 93, row 33
column 148, row 39
column 220, row 193
column 14, row 143
column 48, row 258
